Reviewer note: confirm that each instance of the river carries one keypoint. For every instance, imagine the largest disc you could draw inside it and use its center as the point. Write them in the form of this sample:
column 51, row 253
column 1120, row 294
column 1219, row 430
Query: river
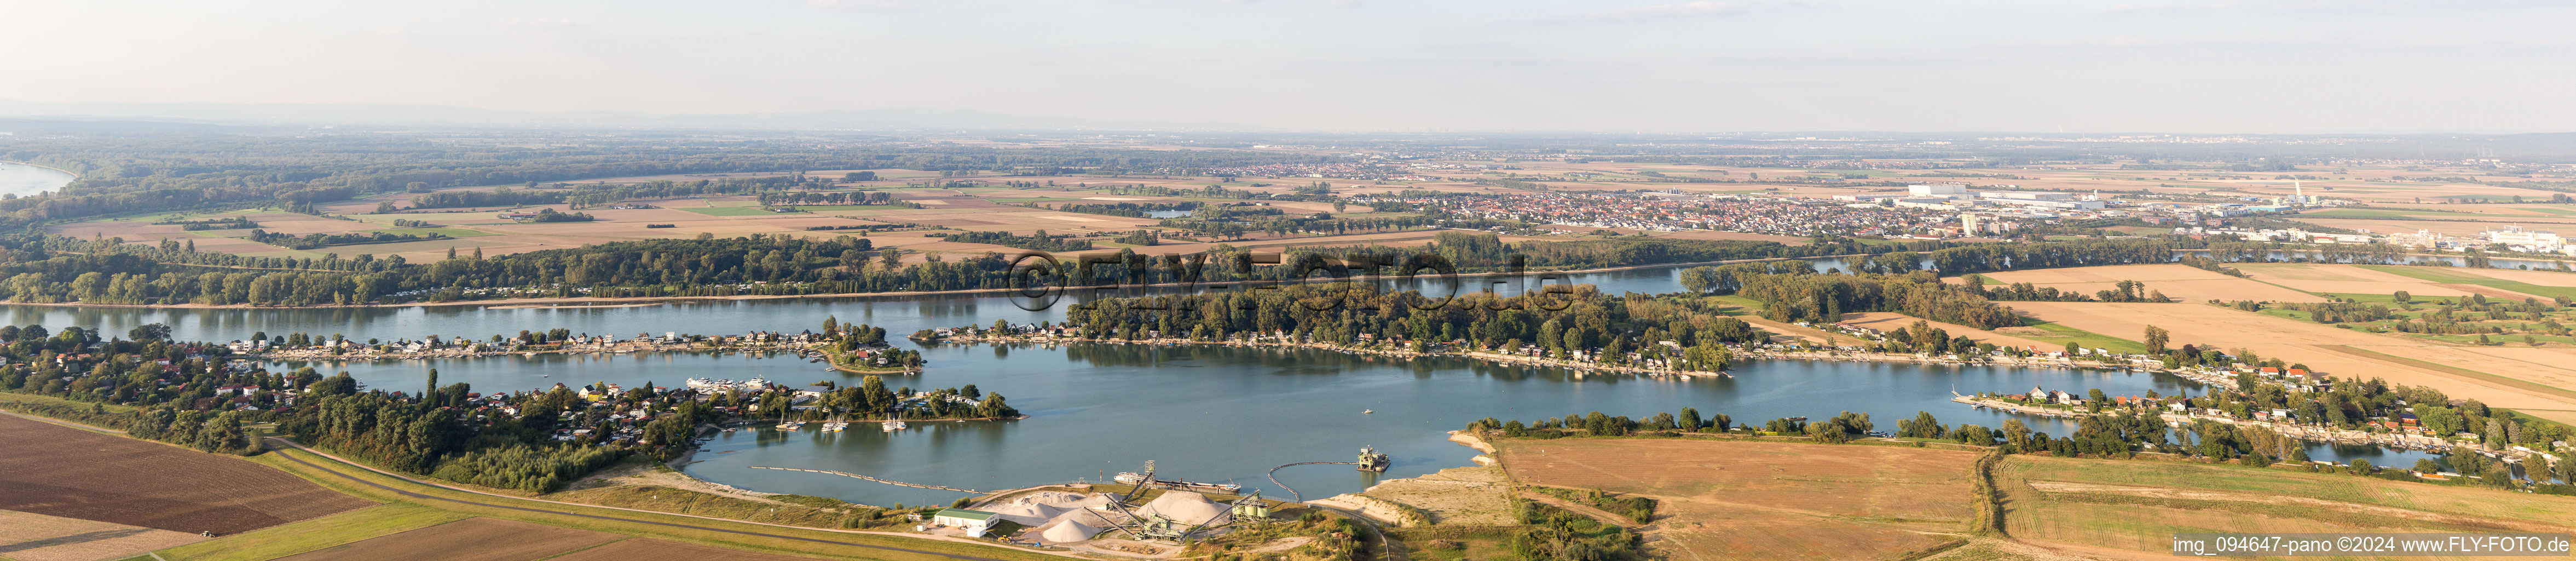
column 24, row 180
column 1204, row 413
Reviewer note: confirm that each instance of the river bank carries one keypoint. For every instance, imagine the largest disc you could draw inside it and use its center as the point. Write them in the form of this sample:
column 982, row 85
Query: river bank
column 2309, row 433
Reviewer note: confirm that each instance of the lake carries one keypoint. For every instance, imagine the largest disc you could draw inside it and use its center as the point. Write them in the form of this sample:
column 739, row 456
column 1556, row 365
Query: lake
column 1204, row 413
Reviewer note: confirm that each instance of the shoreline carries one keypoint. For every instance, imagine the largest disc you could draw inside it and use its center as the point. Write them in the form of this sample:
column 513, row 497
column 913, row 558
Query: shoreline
column 641, row 301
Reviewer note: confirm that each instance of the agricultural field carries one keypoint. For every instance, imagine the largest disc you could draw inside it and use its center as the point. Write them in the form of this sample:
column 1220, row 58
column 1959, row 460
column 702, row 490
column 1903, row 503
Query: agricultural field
column 55, row 470
column 26, row 536
column 2357, row 281
column 1731, row 499
column 2326, row 348
column 2183, row 282
column 2137, row 505
column 643, row 549
column 471, row 539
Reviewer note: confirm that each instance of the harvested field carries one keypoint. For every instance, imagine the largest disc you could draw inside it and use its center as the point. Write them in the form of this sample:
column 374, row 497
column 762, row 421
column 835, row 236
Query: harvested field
column 2345, row 279
column 658, row 550
column 2178, row 281
column 1733, row 499
column 26, row 536
column 2137, row 505
column 2323, row 348
column 471, row 539
column 2552, row 366
column 61, row 471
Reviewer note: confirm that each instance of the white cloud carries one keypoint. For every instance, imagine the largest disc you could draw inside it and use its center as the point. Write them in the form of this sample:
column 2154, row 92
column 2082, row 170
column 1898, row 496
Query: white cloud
column 1702, row 8
column 860, row 5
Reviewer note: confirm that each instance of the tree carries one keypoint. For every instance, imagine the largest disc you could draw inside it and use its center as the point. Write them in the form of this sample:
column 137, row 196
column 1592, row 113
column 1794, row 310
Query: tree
column 2156, row 339
column 2402, row 297
column 1921, row 426
column 149, row 332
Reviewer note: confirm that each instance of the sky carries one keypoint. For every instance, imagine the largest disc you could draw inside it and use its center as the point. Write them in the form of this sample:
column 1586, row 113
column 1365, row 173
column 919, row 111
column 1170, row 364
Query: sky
column 2190, row 66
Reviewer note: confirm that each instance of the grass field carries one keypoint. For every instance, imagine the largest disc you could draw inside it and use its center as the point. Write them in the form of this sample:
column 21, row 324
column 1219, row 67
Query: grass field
column 450, row 232
column 471, row 539
column 443, row 503
column 289, row 539
column 1732, row 499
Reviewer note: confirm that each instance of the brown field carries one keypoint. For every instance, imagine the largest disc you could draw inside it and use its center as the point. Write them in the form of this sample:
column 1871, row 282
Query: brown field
column 2183, row 282
column 2137, row 505
column 60, row 471
column 2327, row 349
column 471, row 539
column 1726, row 499
column 26, row 536
column 640, row 549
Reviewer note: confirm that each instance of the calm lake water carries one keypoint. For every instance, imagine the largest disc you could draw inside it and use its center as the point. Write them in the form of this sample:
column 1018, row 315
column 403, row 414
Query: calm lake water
column 1216, row 414
column 23, row 180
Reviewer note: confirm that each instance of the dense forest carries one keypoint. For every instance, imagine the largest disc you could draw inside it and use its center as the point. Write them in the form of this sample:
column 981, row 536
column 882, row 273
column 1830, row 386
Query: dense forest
column 318, row 241
column 1038, row 241
column 1583, row 323
column 1791, row 291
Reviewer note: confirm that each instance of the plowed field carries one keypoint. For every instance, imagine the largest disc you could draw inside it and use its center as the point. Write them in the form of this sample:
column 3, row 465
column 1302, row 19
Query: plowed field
column 60, row 471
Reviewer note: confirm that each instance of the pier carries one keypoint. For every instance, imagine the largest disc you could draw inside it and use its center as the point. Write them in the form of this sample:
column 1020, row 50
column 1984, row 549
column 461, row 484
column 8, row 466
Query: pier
column 847, row 474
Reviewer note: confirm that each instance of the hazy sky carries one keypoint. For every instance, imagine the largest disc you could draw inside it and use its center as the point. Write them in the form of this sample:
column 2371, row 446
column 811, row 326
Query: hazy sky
column 1656, row 65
